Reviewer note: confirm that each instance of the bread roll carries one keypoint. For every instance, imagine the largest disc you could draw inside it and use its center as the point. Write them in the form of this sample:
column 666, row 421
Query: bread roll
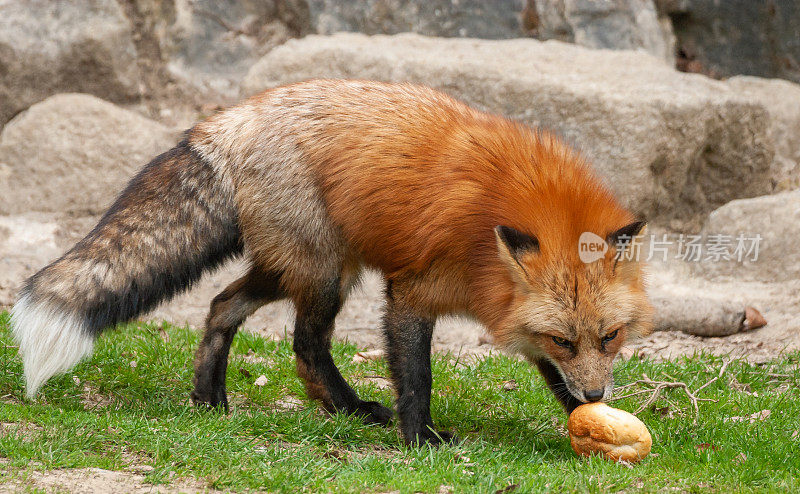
column 596, row 428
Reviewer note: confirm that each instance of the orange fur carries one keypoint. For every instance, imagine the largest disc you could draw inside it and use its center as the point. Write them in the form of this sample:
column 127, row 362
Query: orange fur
column 418, row 187
column 412, row 182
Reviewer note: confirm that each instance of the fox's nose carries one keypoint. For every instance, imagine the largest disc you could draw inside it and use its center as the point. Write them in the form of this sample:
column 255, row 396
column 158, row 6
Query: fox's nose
column 594, row 394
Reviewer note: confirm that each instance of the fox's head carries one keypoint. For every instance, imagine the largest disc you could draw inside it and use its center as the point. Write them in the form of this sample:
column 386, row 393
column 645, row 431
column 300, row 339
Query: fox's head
column 571, row 317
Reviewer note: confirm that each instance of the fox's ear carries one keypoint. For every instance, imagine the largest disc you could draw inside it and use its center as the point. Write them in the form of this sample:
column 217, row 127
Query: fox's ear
column 623, row 238
column 512, row 245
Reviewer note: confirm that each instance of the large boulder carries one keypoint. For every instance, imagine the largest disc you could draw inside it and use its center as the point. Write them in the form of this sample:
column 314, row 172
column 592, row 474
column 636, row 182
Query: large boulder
column 760, row 237
column 724, row 38
column 674, row 146
column 166, row 54
column 211, row 44
column 48, row 47
column 617, row 24
column 782, row 101
column 72, row 153
column 464, row 18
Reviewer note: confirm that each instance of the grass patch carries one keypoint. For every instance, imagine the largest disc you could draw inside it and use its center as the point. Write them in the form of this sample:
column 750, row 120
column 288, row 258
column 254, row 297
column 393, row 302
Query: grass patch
column 128, row 406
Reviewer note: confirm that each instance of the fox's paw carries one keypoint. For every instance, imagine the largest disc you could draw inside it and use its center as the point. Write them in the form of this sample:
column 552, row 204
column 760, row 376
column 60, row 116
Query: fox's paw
column 373, row 412
column 431, row 437
column 215, row 400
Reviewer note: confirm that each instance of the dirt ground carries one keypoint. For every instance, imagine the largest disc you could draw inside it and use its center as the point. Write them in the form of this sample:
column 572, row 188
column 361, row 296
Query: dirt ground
column 97, row 480
column 28, row 242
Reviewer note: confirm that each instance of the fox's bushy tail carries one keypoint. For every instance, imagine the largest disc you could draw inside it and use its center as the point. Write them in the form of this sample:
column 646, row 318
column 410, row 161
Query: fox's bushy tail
column 176, row 219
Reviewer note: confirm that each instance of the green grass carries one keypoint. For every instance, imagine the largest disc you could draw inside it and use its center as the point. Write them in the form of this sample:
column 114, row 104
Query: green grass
column 112, row 414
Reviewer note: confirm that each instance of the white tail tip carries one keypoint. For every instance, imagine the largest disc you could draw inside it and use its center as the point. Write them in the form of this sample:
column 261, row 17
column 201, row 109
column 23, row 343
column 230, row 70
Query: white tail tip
column 50, row 341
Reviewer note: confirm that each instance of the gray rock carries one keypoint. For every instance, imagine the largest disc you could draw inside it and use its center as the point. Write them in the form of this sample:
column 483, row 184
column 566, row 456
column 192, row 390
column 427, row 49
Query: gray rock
column 212, row 44
column 672, row 145
column 724, row 38
column 48, row 47
column 776, row 219
column 782, row 101
column 132, row 51
column 447, row 18
column 72, row 153
column 616, row 24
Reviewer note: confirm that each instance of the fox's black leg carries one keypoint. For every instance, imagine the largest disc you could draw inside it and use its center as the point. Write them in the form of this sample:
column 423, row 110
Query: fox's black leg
column 316, row 311
column 228, row 311
column 408, row 337
column 557, row 385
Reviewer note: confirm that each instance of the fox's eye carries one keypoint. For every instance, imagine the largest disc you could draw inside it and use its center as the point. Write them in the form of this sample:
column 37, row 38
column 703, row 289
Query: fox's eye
column 610, row 336
column 562, row 342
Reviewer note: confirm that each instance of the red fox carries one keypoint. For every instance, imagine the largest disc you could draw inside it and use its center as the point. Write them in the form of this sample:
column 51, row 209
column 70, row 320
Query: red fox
column 462, row 211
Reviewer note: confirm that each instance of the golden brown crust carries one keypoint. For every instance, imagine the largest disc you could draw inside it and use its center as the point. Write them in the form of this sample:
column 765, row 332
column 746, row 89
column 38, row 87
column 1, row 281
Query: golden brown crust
column 616, row 434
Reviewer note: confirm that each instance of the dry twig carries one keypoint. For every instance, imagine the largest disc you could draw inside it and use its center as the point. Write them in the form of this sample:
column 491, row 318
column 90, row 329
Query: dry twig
column 657, row 387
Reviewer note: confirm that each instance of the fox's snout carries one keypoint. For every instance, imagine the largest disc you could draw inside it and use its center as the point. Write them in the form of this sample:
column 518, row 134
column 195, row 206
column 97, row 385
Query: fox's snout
column 588, row 392
column 594, row 394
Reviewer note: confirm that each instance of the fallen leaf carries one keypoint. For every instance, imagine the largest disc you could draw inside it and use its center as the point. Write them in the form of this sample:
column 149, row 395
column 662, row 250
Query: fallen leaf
column 76, row 380
column 506, row 489
column 335, row 454
column 795, row 434
column 261, row 380
column 133, row 364
column 784, row 387
column 756, row 417
column 741, row 387
column 740, row 458
column 368, row 355
column 289, row 403
column 510, row 385
column 664, row 411
column 244, row 372
column 705, row 447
